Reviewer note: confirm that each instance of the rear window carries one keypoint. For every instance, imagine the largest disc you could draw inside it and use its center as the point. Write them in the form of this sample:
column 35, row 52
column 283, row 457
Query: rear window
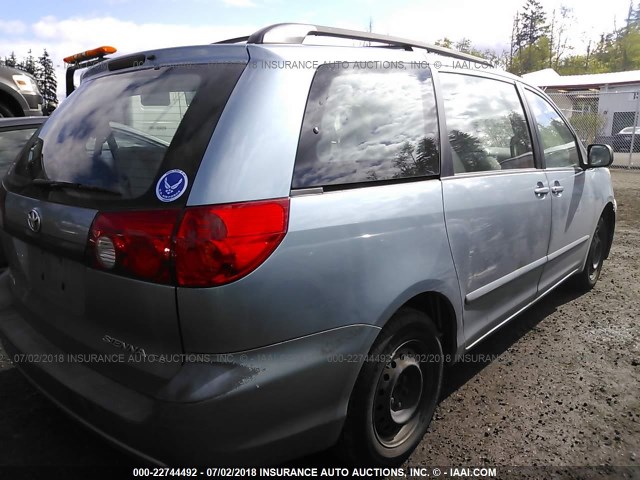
column 367, row 125
column 122, row 132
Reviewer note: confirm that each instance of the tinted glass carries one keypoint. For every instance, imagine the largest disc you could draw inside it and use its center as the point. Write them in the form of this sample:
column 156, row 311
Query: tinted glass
column 365, row 125
column 558, row 143
column 11, row 142
column 486, row 124
column 123, row 131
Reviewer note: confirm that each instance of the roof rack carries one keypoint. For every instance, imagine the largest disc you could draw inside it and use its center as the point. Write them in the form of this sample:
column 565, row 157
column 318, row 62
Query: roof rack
column 296, row 33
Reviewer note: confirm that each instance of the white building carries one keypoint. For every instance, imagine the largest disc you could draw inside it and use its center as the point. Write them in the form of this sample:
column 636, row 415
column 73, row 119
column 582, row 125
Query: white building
column 615, row 96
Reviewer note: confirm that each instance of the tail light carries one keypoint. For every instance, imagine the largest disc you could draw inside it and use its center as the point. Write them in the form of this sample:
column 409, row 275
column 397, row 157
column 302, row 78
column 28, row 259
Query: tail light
column 200, row 247
column 137, row 244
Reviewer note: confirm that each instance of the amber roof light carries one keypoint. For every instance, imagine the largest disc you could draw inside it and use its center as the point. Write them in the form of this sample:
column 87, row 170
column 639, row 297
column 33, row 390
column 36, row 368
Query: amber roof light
column 89, row 54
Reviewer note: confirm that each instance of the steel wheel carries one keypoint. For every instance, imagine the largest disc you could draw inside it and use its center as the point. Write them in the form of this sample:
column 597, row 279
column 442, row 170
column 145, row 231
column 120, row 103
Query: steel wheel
column 400, row 395
column 596, row 254
column 395, row 394
column 588, row 277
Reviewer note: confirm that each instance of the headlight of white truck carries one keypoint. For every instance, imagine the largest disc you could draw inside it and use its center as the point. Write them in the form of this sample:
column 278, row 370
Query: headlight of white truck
column 25, row 83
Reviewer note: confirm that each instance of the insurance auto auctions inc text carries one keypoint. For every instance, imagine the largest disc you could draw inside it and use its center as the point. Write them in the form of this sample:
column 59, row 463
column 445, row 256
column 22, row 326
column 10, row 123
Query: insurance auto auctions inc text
column 410, row 472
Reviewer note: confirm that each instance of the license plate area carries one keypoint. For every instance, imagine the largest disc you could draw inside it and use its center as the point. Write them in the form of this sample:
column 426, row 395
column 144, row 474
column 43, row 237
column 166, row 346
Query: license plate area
column 58, row 280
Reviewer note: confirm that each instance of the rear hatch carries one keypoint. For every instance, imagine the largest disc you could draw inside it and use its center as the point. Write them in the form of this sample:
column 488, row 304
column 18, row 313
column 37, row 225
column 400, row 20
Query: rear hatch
column 107, row 178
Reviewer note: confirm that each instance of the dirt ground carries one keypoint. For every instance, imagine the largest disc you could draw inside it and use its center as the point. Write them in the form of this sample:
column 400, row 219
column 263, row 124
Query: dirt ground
column 559, row 386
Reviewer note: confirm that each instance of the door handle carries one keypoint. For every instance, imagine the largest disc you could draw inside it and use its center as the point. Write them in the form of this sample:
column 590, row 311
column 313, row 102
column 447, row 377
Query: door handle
column 541, row 190
column 557, row 189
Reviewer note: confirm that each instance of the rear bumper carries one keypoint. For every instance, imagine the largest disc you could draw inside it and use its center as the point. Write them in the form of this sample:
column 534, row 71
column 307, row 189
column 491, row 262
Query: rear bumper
column 258, row 407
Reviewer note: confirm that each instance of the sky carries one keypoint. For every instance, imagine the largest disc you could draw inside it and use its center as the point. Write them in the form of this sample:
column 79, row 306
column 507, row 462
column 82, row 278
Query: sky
column 67, row 27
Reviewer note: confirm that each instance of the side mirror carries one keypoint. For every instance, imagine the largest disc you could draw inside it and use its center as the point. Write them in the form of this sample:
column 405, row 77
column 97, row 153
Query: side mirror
column 599, row 155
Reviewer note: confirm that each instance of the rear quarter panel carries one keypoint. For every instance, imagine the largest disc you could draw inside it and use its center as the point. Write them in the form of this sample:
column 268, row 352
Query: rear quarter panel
column 349, row 257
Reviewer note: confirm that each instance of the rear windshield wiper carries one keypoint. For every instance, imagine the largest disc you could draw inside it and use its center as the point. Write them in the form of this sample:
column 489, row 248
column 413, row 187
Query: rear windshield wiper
column 41, row 182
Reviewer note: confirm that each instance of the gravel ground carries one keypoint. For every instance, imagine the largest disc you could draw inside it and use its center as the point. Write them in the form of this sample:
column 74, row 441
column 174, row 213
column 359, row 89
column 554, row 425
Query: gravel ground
column 559, row 386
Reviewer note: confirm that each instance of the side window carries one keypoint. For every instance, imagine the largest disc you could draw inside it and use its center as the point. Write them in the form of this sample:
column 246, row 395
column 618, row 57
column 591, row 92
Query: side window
column 364, row 125
column 11, row 142
column 558, row 143
column 486, row 124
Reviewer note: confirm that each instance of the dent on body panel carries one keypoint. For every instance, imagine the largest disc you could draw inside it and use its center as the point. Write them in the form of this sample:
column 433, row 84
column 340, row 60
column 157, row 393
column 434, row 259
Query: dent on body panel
column 490, row 218
column 369, row 243
column 347, row 256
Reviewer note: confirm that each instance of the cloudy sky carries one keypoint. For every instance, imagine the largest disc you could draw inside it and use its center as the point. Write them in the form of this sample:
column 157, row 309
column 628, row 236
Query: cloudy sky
column 67, row 27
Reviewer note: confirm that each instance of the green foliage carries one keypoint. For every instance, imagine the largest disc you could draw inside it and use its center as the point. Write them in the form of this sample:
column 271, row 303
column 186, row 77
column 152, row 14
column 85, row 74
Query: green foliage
column 46, row 76
column 11, row 60
column 535, row 46
column 588, row 125
column 28, row 64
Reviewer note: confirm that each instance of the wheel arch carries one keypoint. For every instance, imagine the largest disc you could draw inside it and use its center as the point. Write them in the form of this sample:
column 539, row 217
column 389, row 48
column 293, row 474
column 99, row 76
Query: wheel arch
column 439, row 307
column 11, row 103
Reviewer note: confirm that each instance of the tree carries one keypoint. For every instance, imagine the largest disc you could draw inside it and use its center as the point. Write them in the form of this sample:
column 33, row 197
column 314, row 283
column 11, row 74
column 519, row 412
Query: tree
column 47, row 79
column 28, row 64
column 445, row 42
column 618, row 50
column 11, row 60
column 558, row 38
column 530, row 42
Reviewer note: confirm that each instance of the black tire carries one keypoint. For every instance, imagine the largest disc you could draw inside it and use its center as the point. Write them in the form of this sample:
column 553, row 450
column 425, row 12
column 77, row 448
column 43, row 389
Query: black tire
column 405, row 364
column 588, row 277
column 5, row 111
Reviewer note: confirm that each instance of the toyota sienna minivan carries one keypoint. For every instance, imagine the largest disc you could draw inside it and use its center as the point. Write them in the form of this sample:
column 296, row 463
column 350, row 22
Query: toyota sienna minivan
column 245, row 252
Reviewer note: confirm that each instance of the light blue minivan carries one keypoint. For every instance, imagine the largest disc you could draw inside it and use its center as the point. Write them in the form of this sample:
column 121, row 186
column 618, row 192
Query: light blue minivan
column 245, row 252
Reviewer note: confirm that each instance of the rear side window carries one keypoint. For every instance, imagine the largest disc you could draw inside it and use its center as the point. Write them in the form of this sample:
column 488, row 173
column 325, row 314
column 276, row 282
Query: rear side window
column 121, row 132
column 486, row 124
column 558, row 143
column 11, row 142
column 367, row 125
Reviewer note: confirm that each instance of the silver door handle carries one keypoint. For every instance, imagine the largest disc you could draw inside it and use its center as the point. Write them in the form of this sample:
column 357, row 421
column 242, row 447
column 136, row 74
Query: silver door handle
column 557, row 189
column 541, row 190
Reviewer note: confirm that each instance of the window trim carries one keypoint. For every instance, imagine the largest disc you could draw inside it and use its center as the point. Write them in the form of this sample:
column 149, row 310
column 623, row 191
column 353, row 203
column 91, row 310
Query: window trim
column 446, row 146
column 527, row 88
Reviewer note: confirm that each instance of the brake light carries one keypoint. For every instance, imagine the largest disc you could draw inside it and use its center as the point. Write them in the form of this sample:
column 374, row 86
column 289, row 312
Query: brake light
column 220, row 244
column 135, row 244
column 212, row 245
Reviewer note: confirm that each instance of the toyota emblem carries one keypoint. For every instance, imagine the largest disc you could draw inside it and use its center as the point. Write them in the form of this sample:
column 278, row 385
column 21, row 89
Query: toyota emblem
column 34, row 220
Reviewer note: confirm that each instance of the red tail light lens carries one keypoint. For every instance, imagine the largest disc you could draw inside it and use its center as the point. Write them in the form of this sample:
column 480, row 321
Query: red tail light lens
column 220, row 244
column 136, row 244
column 213, row 245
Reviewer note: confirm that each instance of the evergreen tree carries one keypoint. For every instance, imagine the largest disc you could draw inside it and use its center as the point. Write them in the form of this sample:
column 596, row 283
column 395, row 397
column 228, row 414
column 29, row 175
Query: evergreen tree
column 47, row 80
column 28, row 64
column 530, row 44
column 11, row 60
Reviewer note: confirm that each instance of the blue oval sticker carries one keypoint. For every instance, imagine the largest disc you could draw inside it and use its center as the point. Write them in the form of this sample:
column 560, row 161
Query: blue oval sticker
column 171, row 185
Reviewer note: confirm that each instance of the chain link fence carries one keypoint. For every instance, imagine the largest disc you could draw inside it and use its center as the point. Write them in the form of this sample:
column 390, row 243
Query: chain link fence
column 605, row 117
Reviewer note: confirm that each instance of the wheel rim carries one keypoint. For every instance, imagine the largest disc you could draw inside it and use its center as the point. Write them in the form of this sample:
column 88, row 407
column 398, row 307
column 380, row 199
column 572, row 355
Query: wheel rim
column 595, row 258
column 400, row 395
